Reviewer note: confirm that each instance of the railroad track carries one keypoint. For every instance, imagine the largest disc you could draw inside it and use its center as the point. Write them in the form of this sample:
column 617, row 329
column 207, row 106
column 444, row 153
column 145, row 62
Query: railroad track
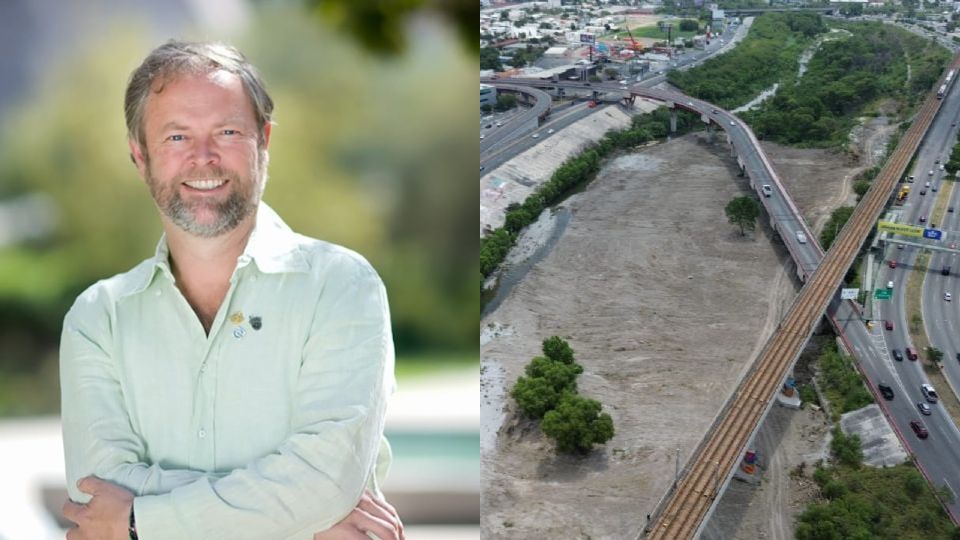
column 683, row 512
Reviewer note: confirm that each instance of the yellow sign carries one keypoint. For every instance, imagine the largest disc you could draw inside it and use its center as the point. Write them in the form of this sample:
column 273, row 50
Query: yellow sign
column 900, row 228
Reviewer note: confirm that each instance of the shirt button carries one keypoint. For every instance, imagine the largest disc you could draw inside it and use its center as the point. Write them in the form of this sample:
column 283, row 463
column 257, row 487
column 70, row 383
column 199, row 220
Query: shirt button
column 202, row 434
column 157, row 293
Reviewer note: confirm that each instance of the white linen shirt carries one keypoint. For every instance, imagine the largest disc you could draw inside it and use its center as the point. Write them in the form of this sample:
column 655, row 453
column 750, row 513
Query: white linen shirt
column 268, row 427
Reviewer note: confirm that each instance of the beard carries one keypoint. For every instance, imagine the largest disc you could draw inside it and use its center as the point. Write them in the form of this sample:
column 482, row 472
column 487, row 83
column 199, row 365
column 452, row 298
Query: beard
column 241, row 201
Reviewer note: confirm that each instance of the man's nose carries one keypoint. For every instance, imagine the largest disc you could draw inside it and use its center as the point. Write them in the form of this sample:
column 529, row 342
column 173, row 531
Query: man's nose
column 206, row 152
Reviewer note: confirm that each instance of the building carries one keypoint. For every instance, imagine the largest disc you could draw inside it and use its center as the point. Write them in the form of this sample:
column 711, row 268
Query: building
column 488, row 95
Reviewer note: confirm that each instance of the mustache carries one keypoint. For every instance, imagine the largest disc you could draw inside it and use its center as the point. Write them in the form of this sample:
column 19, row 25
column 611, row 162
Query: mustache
column 208, row 172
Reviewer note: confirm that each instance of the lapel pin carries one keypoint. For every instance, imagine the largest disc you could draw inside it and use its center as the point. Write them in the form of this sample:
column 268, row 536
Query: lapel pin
column 239, row 332
column 237, row 317
column 256, row 322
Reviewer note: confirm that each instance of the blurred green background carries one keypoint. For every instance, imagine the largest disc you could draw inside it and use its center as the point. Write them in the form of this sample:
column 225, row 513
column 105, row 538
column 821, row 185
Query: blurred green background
column 370, row 150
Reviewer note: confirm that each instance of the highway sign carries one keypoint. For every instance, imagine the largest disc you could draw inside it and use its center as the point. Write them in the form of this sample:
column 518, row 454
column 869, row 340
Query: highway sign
column 933, row 234
column 882, row 294
column 587, row 38
column 900, row 228
column 849, row 294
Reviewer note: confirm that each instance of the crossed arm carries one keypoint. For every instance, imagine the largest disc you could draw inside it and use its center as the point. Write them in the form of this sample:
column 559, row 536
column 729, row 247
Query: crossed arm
column 311, row 483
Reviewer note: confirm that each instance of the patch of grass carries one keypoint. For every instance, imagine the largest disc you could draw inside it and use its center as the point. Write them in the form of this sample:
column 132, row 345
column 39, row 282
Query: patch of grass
column 870, row 502
column 841, row 382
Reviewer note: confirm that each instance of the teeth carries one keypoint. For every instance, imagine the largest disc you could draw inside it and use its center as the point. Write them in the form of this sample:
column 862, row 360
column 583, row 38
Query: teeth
column 205, row 184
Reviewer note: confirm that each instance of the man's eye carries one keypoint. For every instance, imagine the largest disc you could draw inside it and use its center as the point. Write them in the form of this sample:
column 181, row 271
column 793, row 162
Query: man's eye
column 175, row 138
column 230, row 132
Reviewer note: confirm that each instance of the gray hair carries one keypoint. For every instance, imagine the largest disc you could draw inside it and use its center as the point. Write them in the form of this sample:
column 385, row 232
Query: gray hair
column 175, row 58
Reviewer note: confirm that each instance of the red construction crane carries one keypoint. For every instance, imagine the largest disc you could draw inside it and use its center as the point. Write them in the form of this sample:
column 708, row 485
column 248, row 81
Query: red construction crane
column 634, row 45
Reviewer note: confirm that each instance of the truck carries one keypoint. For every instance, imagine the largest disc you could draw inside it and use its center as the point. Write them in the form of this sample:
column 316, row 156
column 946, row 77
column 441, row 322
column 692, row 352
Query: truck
column 902, row 195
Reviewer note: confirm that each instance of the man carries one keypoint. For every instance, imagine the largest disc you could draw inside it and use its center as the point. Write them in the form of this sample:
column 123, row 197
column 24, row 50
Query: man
column 233, row 385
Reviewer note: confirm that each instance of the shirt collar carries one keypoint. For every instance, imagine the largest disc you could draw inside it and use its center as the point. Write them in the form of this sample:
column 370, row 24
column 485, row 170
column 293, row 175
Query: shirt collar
column 272, row 245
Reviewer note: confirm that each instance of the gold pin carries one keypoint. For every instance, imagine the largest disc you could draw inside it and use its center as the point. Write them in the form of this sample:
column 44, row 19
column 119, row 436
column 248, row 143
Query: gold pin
column 237, row 317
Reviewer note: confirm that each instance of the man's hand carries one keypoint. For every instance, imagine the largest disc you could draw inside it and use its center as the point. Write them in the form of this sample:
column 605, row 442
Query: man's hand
column 372, row 515
column 105, row 517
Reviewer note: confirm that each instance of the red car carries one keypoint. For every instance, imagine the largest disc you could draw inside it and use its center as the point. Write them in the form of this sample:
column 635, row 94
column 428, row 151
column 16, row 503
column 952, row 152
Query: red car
column 918, row 428
column 892, row 263
column 888, row 325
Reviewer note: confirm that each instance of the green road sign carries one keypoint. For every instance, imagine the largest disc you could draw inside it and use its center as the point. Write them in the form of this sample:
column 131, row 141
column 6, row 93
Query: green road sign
column 882, row 294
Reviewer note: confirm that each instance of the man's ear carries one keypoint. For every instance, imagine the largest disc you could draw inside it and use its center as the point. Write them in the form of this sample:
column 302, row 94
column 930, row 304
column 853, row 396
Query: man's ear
column 137, row 157
column 266, row 135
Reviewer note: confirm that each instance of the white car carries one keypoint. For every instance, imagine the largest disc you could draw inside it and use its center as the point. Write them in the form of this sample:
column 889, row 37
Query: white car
column 947, row 296
column 550, row 131
column 536, row 135
column 802, row 238
column 732, row 123
column 767, row 190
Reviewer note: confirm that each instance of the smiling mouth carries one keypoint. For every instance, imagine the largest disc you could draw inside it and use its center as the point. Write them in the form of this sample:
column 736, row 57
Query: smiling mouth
column 205, row 185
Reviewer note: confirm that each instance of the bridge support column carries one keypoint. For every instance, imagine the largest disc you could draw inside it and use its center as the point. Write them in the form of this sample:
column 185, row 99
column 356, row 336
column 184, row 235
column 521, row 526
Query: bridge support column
column 673, row 121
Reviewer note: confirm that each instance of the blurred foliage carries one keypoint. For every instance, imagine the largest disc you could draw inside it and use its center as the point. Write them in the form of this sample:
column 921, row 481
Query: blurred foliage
column 379, row 24
column 364, row 154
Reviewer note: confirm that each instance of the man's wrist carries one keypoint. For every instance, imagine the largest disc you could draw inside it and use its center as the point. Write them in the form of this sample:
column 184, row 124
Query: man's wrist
column 133, row 524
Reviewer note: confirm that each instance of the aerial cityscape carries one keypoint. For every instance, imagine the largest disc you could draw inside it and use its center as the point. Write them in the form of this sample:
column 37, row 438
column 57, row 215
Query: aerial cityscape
column 718, row 256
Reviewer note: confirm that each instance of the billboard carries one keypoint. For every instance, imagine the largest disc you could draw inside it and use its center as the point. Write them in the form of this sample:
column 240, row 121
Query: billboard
column 900, row 228
column 587, row 38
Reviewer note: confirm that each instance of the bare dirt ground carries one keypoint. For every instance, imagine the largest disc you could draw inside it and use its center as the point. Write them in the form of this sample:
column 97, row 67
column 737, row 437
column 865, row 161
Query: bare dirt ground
column 665, row 304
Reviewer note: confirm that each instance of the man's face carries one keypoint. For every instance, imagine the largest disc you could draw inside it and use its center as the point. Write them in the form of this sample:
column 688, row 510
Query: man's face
column 201, row 160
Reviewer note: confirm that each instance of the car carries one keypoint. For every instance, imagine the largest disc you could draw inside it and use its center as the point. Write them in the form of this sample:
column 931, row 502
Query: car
column 550, row 131
column 942, row 167
column 950, row 209
column 923, row 219
column 930, row 173
column 924, row 408
column 918, row 428
column 716, row 111
column 767, row 190
column 888, row 325
column 923, row 192
column 499, row 124
column 690, row 103
column 885, row 391
column 936, row 161
column 929, row 393
column 945, row 271
column 926, row 184
column 933, row 225
column 488, row 126
column 911, row 353
column 481, row 136
column 892, row 263
column 947, row 297
column 898, row 356
column 801, row 237
column 911, row 178
column 934, row 188
column 899, row 246
column 890, row 285
column 732, row 123
column 482, row 167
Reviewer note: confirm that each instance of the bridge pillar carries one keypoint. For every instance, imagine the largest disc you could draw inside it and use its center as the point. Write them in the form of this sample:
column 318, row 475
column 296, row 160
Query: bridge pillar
column 673, row 121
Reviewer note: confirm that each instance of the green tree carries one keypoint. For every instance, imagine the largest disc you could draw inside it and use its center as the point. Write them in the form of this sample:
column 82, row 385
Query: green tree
column 490, row 59
column 555, row 348
column 611, row 73
column 505, row 102
column 535, row 396
column 577, row 423
column 689, row 25
column 743, row 212
column 562, row 377
column 838, row 218
column 860, row 187
column 846, row 448
column 934, row 354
